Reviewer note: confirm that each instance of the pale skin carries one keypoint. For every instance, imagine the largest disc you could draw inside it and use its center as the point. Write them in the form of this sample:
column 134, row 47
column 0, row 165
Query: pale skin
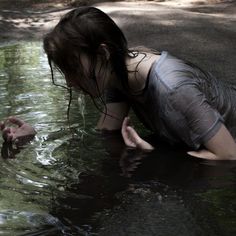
column 220, row 147
column 18, row 130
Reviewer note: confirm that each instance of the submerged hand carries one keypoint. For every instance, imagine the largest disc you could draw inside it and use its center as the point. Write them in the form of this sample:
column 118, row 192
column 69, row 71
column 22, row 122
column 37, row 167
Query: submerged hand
column 131, row 137
column 20, row 134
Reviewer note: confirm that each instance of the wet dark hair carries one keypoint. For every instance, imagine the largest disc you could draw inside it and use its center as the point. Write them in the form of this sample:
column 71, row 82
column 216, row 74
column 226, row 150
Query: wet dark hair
column 82, row 31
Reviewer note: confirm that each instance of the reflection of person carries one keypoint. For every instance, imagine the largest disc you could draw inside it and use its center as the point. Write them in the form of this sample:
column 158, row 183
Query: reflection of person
column 170, row 96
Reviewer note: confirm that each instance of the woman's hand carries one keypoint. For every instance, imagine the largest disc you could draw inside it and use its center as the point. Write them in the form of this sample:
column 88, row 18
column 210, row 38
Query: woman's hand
column 203, row 153
column 131, row 137
column 220, row 147
column 20, row 133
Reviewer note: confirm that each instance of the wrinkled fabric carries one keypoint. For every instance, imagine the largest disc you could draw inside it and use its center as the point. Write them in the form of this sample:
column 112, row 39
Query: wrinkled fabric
column 182, row 103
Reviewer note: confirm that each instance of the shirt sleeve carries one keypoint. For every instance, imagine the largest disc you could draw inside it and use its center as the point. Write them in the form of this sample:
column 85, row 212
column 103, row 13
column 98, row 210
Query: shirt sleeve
column 191, row 117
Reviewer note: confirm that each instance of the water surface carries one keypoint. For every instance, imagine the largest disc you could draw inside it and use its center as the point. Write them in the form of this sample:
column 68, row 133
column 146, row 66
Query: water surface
column 70, row 180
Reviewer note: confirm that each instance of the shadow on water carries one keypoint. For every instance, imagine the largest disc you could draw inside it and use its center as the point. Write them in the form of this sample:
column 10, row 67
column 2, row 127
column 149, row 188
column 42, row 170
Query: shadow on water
column 74, row 181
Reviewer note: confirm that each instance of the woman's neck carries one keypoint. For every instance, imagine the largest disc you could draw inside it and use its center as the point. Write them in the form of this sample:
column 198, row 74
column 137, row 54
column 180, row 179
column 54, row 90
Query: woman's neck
column 138, row 70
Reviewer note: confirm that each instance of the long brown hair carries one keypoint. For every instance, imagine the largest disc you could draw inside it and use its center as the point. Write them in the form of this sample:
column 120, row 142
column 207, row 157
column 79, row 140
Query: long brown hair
column 83, row 30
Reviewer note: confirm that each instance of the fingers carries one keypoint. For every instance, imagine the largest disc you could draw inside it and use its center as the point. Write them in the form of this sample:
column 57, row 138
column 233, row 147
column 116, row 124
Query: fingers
column 125, row 124
column 133, row 135
column 204, row 154
column 7, row 134
column 124, row 128
column 130, row 136
column 2, row 125
column 126, row 121
column 16, row 121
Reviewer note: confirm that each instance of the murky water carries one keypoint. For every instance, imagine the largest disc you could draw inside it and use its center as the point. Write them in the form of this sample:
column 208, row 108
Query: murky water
column 73, row 181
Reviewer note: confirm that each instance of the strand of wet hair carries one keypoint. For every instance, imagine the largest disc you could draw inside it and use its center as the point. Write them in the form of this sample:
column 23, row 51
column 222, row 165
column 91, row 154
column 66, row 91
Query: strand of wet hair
column 64, row 87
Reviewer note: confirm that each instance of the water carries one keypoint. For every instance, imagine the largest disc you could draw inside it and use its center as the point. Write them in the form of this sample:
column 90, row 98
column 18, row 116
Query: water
column 72, row 181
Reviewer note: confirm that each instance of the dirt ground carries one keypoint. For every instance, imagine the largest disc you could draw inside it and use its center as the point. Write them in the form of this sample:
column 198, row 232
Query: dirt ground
column 30, row 19
column 202, row 31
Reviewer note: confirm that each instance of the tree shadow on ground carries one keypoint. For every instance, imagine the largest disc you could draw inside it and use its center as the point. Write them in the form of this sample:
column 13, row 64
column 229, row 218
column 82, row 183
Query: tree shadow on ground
column 204, row 38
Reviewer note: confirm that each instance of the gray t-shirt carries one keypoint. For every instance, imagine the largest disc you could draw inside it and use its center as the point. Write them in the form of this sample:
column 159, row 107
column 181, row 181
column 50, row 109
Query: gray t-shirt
column 182, row 103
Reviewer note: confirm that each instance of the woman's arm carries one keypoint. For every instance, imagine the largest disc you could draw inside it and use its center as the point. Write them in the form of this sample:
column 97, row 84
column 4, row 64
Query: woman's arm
column 220, row 147
column 113, row 116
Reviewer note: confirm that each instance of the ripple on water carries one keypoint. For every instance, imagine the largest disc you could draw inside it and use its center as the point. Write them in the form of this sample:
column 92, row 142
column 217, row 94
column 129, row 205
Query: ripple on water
column 58, row 183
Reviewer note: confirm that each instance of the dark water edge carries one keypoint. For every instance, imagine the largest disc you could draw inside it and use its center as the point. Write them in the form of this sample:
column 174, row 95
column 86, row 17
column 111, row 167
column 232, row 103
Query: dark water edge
column 74, row 181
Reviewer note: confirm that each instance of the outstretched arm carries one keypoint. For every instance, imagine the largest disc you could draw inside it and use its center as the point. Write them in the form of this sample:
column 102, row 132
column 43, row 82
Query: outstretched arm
column 220, row 147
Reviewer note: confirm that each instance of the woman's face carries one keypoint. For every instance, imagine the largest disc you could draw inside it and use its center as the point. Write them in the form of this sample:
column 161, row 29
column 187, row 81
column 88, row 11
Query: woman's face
column 93, row 86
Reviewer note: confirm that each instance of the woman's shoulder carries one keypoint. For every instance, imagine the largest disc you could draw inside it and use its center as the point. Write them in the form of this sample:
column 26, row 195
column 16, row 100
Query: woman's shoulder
column 173, row 72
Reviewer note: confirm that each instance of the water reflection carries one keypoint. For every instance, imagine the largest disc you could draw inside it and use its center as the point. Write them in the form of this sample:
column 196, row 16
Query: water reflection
column 70, row 180
column 29, row 183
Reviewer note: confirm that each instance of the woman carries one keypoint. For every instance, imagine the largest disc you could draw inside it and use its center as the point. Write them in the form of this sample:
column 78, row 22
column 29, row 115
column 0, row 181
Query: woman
column 173, row 98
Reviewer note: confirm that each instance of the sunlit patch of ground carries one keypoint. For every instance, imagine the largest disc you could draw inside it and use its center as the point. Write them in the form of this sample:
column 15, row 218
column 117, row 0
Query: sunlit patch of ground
column 185, row 3
column 31, row 19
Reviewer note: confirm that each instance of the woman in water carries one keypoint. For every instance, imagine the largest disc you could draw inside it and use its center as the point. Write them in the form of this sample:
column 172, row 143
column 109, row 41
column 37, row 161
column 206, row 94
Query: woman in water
column 173, row 98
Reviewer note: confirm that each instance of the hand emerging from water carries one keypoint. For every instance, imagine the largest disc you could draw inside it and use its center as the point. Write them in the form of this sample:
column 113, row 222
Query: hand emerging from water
column 131, row 137
column 19, row 132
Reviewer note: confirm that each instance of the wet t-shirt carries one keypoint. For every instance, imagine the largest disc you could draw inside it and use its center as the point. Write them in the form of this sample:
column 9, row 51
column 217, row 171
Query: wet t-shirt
column 182, row 103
